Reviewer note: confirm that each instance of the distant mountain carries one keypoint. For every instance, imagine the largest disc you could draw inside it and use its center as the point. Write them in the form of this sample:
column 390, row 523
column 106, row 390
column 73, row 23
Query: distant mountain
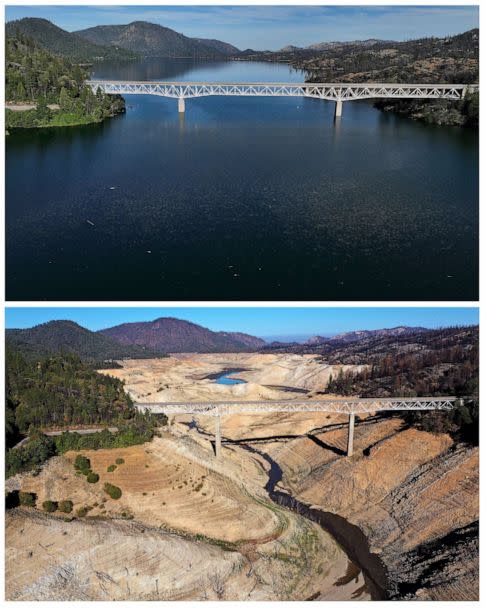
column 174, row 335
column 250, row 341
column 69, row 337
column 152, row 40
column 353, row 336
column 222, row 47
column 315, row 340
column 361, row 334
column 325, row 46
column 363, row 347
column 58, row 41
column 290, row 48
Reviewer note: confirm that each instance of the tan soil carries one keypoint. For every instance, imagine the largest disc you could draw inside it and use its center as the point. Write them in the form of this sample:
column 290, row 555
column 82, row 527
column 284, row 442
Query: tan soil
column 413, row 494
column 183, row 377
column 275, row 554
column 23, row 107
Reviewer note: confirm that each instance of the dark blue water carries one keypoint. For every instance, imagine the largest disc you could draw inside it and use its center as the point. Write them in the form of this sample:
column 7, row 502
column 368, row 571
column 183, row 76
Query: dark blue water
column 242, row 198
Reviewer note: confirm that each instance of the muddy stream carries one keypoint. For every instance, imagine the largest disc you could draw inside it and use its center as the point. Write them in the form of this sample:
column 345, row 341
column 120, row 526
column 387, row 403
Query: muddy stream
column 348, row 536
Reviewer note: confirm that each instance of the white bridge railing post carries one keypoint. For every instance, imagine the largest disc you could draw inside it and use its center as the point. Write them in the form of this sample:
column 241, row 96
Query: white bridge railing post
column 350, row 434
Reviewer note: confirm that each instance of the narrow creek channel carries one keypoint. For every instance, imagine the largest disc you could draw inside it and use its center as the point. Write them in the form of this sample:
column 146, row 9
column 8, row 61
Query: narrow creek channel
column 348, row 536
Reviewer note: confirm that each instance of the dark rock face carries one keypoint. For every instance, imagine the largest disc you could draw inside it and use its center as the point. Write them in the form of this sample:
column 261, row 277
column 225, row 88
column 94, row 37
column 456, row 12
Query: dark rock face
column 176, row 335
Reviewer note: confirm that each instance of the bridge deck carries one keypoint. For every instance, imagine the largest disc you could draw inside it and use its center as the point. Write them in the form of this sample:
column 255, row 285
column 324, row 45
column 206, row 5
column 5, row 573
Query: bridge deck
column 343, row 406
column 338, row 91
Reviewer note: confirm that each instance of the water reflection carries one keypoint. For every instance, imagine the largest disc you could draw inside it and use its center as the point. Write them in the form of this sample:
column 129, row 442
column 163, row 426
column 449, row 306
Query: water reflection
column 187, row 70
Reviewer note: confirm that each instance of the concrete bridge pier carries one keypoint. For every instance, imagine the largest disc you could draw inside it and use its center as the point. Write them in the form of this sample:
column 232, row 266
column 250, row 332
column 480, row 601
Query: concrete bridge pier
column 217, row 435
column 350, row 434
column 338, row 110
column 181, row 104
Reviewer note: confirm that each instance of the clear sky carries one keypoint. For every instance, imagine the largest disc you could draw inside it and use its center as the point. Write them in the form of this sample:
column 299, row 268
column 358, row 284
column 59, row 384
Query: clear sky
column 270, row 27
column 265, row 322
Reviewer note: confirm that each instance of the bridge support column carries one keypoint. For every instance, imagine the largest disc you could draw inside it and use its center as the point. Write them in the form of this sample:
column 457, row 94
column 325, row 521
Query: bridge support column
column 350, row 434
column 182, row 105
column 217, row 435
column 338, row 110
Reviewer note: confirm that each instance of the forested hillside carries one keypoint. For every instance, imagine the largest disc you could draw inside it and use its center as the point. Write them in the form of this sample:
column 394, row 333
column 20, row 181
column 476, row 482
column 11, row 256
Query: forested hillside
column 153, row 40
column 60, row 392
column 57, row 337
column 452, row 59
column 434, row 363
column 41, row 79
column 60, row 42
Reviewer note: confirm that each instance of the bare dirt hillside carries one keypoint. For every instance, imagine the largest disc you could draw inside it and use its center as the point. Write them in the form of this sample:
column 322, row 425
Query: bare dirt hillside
column 283, row 514
column 185, row 377
column 413, row 494
column 186, row 527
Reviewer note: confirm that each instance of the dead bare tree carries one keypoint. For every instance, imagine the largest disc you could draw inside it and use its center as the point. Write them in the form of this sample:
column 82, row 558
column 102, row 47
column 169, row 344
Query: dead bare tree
column 217, row 584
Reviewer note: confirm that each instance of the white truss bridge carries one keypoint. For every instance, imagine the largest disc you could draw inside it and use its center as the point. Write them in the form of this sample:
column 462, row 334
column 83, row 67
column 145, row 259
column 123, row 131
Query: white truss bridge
column 351, row 407
column 336, row 406
column 338, row 92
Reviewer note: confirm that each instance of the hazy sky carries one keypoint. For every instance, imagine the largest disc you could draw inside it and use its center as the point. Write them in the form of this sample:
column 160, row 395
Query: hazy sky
column 270, row 27
column 264, row 322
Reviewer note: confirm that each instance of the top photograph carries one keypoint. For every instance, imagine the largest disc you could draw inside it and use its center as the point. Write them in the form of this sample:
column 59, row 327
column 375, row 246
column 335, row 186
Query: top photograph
column 242, row 153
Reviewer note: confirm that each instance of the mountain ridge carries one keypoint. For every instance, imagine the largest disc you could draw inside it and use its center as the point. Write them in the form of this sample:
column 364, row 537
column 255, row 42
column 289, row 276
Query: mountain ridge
column 70, row 337
column 153, row 40
column 61, row 42
column 176, row 335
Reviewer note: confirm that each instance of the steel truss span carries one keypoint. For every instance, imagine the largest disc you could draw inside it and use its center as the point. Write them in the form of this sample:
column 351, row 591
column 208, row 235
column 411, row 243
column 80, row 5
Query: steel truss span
column 336, row 406
column 330, row 91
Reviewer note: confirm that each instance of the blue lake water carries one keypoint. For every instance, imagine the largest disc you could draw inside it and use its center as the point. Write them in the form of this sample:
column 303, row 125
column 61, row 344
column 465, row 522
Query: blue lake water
column 241, row 198
column 225, row 380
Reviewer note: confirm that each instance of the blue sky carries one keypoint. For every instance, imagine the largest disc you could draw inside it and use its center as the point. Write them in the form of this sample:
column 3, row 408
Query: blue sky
column 270, row 27
column 264, row 322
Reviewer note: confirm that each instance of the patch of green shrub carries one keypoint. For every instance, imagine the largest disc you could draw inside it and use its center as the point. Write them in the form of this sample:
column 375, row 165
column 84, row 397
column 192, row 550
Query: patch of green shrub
column 27, row 499
column 49, row 506
column 120, row 461
column 66, row 506
column 111, row 468
column 92, row 477
column 112, row 491
column 81, row 463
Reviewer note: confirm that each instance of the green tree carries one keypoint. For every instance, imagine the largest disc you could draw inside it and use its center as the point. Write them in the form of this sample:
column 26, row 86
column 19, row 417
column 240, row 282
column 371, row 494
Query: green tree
column 65, row 103
column 113, row 491
column 27, row 499
column 49, row 506
column 66, row 506
column 92, row 477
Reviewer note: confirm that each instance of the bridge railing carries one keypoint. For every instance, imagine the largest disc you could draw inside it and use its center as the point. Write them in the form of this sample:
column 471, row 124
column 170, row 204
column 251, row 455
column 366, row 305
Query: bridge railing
column 339, row 406
column 329, row 91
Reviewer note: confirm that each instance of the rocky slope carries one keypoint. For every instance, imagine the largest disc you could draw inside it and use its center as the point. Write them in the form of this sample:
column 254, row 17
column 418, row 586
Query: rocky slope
column 413, row 494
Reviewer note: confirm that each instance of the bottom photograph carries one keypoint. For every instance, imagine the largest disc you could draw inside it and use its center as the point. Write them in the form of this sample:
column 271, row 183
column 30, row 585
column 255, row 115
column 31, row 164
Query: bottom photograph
column 230, row 453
